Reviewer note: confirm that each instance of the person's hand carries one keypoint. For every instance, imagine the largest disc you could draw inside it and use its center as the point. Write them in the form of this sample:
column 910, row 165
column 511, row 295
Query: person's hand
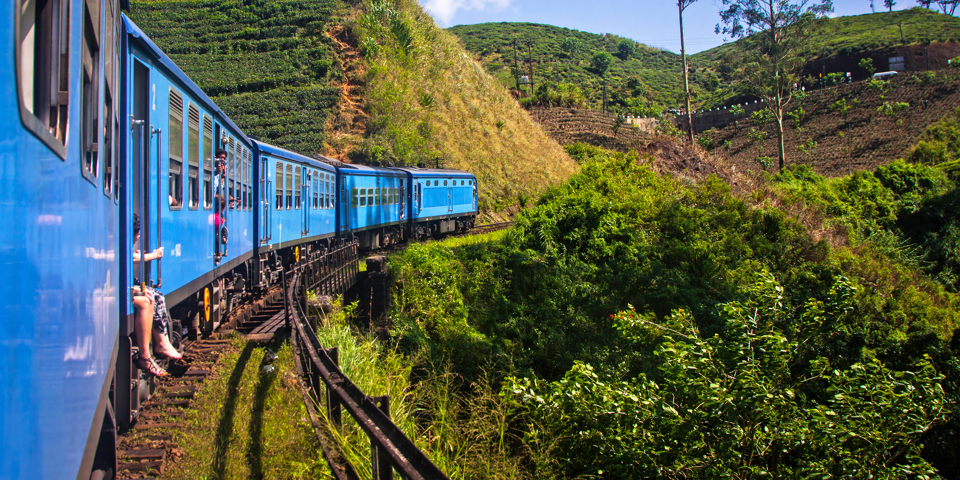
column 158, row 253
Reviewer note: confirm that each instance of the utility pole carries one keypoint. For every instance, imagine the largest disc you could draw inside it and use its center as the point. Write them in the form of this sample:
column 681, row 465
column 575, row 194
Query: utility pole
column 681, row 5
column 516, row 65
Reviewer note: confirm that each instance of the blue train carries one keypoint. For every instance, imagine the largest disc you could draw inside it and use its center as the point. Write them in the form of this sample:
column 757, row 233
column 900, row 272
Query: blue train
column 103, row 127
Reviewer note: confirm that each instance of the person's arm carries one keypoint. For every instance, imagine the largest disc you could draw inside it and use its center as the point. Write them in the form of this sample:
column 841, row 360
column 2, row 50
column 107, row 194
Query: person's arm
column 158, row 253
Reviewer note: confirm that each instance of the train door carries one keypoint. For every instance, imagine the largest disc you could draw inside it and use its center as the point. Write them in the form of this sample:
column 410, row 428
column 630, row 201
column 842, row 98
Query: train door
column 305, row 201
column 266, row 187
column 449, row 197
column 220, row 179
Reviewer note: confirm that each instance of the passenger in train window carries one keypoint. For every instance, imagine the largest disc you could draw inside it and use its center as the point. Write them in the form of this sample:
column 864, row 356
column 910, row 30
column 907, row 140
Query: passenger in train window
column 150, row 311
column 220, row 218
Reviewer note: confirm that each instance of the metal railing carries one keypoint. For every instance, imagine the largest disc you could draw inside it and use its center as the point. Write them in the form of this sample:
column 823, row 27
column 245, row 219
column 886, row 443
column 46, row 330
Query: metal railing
column 319, row 368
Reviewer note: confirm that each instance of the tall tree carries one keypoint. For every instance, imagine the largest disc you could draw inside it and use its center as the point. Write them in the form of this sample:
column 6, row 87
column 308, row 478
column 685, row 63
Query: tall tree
column 682, row 5
column 889, row 4
column 601, row 63
column 772, row 33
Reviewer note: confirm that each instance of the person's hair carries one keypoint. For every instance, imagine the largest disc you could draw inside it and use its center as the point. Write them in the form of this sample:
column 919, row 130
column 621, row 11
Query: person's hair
column 219, row 152
column 136, row 224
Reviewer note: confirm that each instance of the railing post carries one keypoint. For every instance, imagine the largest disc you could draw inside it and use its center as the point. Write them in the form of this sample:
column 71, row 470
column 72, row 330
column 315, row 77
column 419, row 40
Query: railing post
column 286, row 306
column 382, row 470
column 333, row 406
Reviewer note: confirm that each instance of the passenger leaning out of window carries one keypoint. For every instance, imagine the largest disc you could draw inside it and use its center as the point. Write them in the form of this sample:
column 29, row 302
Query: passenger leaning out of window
column 220, row 202
column 151, row 314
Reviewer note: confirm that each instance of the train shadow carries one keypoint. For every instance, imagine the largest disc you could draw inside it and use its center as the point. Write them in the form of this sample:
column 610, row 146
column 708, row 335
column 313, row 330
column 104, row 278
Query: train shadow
column 225, row 425
column 265, row 380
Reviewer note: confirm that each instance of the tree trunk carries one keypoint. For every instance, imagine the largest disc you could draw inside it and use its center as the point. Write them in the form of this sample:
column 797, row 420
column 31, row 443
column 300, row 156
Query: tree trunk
column 686, row 80
column 780, row 145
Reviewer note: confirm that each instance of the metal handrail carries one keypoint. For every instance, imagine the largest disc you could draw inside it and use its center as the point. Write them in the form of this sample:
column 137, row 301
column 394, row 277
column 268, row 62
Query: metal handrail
column 391, row 447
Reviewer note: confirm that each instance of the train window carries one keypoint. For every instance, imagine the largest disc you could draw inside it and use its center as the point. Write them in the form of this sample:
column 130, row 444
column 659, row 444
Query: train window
column 316, row 192
column 43, row 67
column 363, row 197
column 175, row 149
column 111, row 132
column 296, row 191
column 241, row 176
column 249, row 177
column 376, row 197
column 289, row 183
column 470, row 182
column 207, row 162
column 383, row 196
column 444, row 183
column 355, row 200
column 370, row 196
column 279, row 185
column 232, row 171
column 330, row 194
column 90, row 91
column 193, row 156
column 243, row 179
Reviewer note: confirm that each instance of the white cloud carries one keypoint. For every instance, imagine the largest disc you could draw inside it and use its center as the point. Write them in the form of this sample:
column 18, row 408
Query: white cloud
column 445, row 10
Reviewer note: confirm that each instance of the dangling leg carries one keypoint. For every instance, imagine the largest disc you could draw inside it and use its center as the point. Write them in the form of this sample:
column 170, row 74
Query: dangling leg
column 143, row 326
column 162, row 345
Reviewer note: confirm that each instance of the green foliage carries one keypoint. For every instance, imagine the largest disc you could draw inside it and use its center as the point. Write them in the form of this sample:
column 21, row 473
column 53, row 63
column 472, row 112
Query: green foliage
column 625, row 49
column 756, row 399
column 601, row 62
column 551, row 94
column 867, row 64
column 940, row 143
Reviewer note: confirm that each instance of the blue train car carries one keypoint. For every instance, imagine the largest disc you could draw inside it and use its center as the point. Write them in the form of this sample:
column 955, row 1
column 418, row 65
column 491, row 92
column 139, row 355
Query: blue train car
column 199, row 210
column 373, row 205
column 441, row 201
column 297, row 201
column 59, row 205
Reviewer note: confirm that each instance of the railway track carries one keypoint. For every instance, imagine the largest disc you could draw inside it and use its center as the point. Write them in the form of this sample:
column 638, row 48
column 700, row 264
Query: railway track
column 143, row 451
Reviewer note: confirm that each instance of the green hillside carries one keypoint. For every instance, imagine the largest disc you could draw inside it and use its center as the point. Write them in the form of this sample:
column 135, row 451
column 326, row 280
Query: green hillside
column 649, row 76
column 652, row 77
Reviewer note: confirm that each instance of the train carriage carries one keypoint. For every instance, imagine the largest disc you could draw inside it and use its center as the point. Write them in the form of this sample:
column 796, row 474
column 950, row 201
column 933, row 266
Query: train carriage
column 373, row 205
column 440, row 201
column 297, row 202
column 199, row 212
column 59, row 204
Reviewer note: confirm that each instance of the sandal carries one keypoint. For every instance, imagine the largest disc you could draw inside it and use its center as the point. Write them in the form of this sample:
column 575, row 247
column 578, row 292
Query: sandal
column 148, row 365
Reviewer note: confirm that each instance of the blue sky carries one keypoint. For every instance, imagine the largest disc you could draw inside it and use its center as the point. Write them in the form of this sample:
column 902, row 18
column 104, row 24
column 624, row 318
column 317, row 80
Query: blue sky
column 652, row 22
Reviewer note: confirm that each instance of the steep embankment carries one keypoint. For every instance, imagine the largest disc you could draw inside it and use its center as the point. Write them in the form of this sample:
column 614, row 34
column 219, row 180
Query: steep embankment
column 430, row 103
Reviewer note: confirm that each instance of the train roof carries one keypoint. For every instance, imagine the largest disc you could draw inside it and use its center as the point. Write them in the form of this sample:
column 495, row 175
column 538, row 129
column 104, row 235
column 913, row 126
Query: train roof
column 290, row 155
column 134, row 31
column 352, row 169
column 434, row 172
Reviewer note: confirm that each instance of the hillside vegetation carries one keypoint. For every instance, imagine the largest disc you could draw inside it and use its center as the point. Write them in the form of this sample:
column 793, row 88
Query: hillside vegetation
column 644, row 327
column 370, row 82
column 643, row 80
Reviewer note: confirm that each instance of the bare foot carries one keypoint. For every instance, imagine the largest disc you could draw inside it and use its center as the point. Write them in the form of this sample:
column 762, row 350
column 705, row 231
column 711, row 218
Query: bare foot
column 162, row 347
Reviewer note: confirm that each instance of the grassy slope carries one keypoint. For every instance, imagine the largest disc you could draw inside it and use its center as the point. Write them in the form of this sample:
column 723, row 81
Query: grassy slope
column 430, row 101
column 660, row 70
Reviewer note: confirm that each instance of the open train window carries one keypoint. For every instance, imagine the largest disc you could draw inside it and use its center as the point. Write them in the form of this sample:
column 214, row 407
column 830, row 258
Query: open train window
column 363, row 197
column 193, row 156
column 43, row 69
column 175, row 149
column 289, row 187
column 207, row 162
column 249, row 180
column 370, row 196
column 90, row 91
column 355, row 200
column 376, row 197
column 279, row 185
column 316, row 193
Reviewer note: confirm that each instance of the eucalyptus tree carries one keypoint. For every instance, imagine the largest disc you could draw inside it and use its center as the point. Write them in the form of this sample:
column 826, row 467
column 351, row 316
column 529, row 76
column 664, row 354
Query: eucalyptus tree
column 682, row 5
column 773, row 34
column 601, row 63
